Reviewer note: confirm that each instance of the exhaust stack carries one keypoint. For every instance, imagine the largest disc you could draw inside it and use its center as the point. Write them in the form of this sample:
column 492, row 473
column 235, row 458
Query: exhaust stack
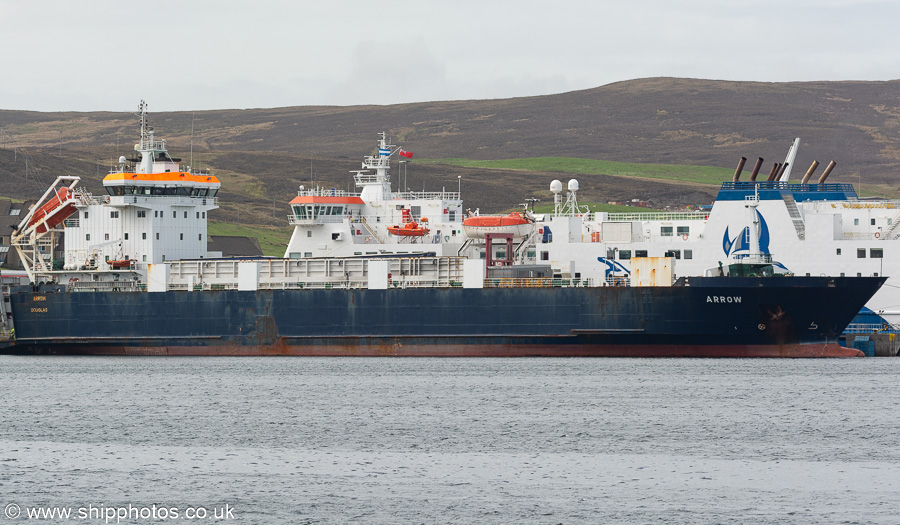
column 782, row 170
column 827, row 171
column 774, row 172
column 809, row 172
column 755, row 172
column 740, row 168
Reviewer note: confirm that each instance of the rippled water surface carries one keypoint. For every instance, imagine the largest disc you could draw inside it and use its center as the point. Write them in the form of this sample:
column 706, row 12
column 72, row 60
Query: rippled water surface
column 308, row 440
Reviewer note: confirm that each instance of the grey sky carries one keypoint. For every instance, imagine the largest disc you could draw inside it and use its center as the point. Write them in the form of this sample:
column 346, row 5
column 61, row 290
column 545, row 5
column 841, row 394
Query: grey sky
column 210, row 54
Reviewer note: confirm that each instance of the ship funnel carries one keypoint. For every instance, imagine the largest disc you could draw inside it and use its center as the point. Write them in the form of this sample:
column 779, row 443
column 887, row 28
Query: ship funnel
column 782, row 170
column 827, row 171
column 773, row 172
column 755, row 172
column 740, row 168
column 809, row 172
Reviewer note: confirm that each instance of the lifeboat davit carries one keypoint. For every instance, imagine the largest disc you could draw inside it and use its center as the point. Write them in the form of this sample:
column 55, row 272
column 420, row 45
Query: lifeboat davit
column 514, row 223
column 410, row 229
column 50, row 212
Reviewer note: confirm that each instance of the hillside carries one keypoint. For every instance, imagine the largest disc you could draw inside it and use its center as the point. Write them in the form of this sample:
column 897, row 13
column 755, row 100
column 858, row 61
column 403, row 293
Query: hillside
column 262, row 155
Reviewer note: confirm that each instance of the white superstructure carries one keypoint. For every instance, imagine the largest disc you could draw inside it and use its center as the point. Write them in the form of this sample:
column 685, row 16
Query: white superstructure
column 805, row 229
column 155, row 211
column 334, row 223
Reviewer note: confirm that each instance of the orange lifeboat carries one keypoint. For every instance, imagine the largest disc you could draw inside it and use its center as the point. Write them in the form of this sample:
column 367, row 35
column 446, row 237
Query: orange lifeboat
column 50, row 210
column 410, row 229
column 118, row 265
column 515, row 223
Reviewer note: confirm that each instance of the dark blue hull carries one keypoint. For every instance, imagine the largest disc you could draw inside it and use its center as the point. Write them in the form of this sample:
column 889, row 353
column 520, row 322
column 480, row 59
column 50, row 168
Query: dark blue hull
column 785, row 316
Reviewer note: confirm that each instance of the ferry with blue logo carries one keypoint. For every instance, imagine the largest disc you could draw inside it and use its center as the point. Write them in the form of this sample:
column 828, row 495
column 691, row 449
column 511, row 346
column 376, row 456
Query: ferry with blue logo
column 805, row 229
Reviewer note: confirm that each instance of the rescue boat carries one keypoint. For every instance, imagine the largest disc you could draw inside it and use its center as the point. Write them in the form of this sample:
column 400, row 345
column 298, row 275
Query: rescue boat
column 410, row 229
column 54, row 211
column 515, row 223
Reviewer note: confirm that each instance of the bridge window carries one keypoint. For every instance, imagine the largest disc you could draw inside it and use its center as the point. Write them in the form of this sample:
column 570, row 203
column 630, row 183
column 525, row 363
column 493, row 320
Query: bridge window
column 860, row 253
column 624, row 254
column 876, row 253
column 640, row 253
column 684, row 230
column 665, row 231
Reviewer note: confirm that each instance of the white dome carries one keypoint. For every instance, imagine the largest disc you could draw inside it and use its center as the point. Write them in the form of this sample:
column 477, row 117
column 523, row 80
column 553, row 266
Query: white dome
column 555, row 186
column 573, row 185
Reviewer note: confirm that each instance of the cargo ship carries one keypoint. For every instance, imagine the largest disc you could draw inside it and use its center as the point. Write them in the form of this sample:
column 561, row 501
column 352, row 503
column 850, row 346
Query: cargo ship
column 138, row 281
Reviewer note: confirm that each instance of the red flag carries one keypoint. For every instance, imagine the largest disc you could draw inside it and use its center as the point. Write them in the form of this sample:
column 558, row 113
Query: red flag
column 407, row 154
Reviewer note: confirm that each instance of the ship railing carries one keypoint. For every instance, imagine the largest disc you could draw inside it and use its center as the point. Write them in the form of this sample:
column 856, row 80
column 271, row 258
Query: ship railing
column 319, row 191
column 661, row 216
column 538, row 282
column 429, row 195
column 362, row 179
column 319, row 285
column 105, row 286
column 618, row 280
column 870, row 328
column 784, row 185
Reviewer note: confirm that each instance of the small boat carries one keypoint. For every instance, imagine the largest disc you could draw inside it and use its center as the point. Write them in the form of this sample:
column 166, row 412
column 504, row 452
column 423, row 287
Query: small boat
column 515, row 223
column 54, row 211
column 117, row 265
column 410, row 229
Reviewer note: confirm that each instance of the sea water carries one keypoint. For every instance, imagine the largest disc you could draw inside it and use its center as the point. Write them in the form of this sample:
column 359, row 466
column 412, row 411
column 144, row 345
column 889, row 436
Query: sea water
column 415, row 440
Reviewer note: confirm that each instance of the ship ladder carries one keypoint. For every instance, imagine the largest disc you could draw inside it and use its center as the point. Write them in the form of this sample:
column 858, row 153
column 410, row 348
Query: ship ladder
column 888, row 234
column 792, row 209
column 372, row 230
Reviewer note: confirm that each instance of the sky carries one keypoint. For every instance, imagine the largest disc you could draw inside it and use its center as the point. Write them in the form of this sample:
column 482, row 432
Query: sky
column 179, row 55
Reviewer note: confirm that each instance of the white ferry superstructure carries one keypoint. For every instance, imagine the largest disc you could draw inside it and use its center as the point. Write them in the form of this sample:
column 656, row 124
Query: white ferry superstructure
column 816, row 229
column 329, row 222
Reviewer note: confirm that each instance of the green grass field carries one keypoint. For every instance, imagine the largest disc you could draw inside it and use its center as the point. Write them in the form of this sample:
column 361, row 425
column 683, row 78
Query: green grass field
column 273, row 242
column 684, row 173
